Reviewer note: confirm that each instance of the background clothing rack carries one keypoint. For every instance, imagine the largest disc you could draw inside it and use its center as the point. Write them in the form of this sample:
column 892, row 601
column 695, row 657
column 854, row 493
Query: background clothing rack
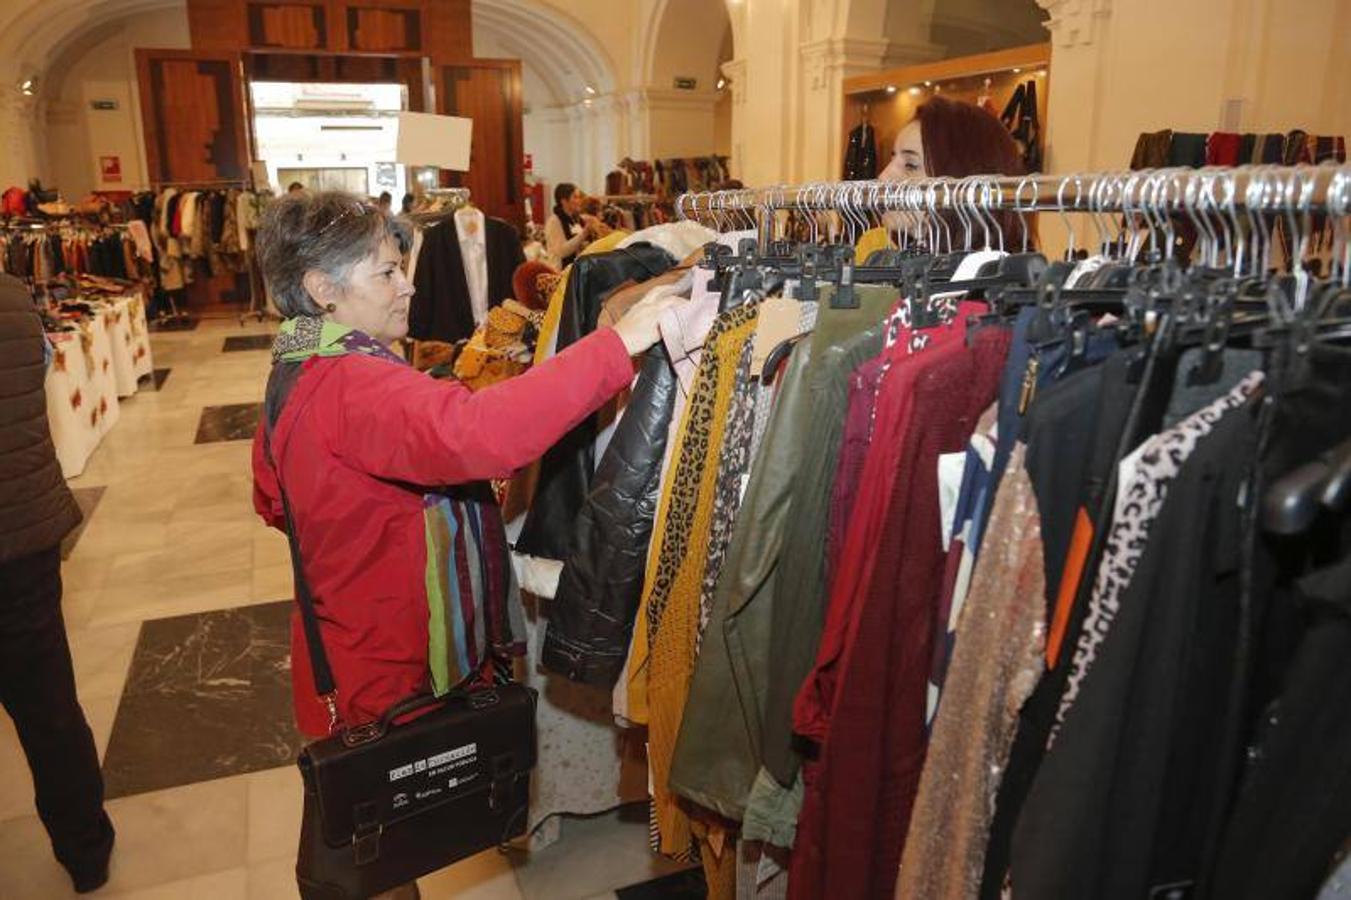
column 209, row 184
column 257, row 304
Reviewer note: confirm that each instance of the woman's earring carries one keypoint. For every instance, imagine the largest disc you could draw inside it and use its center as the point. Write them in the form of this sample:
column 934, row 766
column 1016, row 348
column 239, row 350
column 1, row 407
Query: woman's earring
column 331, row 307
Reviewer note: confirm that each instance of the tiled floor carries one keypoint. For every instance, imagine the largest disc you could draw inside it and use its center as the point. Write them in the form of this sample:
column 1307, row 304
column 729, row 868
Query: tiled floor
column 231, row 422
column 247, row 342
column 172, row 559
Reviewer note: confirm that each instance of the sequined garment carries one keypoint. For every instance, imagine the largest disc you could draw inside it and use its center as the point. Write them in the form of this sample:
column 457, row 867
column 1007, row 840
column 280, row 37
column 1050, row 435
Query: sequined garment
column 995, row 665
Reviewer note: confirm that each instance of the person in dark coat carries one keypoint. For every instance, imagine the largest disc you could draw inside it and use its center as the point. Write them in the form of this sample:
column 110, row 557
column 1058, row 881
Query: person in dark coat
column 860, row 159
column 37, row 680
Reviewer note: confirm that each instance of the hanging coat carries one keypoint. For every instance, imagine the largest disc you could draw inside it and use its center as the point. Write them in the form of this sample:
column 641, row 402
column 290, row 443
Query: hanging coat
column 566, row 470
column 440, row 310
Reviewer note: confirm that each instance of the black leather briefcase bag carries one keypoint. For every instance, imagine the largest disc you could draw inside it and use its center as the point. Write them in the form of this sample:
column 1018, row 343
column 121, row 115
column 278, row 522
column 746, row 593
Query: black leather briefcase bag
column 386, row 803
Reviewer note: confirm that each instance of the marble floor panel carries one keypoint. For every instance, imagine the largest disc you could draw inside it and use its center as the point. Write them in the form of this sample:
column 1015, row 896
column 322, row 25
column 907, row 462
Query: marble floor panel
column 207, row 696
column 88, row 500
column 236, row 343
column 162, row 838
column 686, row 885
column 232, row 422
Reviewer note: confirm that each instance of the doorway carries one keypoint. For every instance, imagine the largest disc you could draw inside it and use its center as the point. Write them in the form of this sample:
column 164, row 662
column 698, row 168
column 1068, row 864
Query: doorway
column 328, row 136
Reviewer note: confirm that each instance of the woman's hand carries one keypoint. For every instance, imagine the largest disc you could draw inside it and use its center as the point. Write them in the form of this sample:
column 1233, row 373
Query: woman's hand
column 638, row 329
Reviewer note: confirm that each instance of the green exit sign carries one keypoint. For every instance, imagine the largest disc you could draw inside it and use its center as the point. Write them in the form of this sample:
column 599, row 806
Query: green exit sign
column 686, row 84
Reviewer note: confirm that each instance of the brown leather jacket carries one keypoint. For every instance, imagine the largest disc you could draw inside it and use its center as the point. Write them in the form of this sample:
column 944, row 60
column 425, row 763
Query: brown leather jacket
column 36, row 508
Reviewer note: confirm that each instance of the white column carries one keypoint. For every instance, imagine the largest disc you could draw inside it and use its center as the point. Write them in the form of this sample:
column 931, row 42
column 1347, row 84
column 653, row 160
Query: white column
column 735, row 72
column 19, row 131
column 826, row 64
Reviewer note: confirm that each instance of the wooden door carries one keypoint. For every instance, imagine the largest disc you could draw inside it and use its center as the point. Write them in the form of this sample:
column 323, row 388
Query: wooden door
column 196, row 127
column 193, row 115
column 489, row 92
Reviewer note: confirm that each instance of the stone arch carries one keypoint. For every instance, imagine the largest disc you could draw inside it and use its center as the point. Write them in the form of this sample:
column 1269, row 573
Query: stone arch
column 35, row 37
column 564, row 53
column 677, row 41
column 963, row 27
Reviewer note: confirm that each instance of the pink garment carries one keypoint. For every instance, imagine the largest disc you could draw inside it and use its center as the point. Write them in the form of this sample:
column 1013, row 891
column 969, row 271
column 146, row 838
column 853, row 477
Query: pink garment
column 684, row 330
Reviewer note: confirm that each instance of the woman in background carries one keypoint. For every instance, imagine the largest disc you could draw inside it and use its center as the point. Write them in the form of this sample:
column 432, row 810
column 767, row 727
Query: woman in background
column 953, row 139
column 568, row 229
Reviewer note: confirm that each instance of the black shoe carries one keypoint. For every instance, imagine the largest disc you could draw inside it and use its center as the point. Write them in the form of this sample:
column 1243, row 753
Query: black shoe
column 89, row 878
column 85, row 882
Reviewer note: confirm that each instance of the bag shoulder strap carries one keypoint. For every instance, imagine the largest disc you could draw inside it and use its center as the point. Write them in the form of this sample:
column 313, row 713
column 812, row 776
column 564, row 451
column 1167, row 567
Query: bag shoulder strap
column 324, row 684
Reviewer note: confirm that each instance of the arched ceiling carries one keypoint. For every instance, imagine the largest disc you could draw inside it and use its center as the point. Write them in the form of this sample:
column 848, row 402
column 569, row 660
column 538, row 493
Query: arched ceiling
column 684, row 38
column 36, row 34
column 561, row 50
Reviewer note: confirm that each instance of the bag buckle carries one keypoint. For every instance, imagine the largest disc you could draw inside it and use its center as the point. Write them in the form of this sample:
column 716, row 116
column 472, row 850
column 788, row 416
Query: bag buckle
column 503, row 780
column 366, row 845
column 366, row 833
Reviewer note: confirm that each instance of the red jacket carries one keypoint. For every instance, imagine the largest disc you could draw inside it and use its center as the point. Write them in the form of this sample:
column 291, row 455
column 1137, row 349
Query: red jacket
column 860, row 790
column 357, row 437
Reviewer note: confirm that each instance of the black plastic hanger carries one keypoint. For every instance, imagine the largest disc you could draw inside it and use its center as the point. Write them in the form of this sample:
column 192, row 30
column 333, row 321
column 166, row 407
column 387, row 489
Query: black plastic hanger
column 1293, row 503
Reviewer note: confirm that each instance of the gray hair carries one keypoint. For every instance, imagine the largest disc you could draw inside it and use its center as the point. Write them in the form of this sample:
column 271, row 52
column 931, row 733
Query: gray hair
column 330, row 231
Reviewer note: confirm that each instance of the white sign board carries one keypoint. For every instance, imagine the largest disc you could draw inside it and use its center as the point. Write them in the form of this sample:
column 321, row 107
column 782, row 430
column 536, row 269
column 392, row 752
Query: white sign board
column 430, row 140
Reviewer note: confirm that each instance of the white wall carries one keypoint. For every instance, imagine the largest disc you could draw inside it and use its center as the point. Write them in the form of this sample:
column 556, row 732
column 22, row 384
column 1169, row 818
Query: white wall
column 103, row 66
column 1115, row 74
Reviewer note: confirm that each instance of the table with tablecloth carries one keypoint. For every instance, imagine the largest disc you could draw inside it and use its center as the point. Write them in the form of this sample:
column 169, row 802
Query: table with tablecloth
column 93, row 365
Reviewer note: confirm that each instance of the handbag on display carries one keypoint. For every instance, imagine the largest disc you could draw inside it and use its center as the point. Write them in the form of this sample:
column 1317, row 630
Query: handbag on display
column 393, row 800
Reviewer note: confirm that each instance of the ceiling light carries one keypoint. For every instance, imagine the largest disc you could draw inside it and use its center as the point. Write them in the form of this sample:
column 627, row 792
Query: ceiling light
column 1041, row 73
column 914, row 91
column 28, row 87
column 586, row 102
column 590, row 90
column 928, row 84
column 1016, row 71
column 722, row 83
column 891, row 89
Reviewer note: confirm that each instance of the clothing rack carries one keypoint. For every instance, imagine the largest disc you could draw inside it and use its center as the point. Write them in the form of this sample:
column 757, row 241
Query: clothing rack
column 57, row 222
column 629, row 198
column 257, row 305
column 1213, row 199
column 206, row 184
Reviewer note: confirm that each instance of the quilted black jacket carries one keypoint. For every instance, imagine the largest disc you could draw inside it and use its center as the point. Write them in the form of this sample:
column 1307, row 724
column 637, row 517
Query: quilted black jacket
column 36, row 508
column 591, row 617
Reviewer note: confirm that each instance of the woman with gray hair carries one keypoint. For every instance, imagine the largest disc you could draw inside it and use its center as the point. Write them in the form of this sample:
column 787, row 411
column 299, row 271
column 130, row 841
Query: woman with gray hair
column 361, row 441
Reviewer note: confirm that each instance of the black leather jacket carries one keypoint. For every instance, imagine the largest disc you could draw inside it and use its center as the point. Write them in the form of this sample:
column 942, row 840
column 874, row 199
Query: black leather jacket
column 565, row 472
column 860, row 159
column 591, row 617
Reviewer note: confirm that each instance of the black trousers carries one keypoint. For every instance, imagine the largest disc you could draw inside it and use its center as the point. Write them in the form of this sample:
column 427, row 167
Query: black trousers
column 37, row 689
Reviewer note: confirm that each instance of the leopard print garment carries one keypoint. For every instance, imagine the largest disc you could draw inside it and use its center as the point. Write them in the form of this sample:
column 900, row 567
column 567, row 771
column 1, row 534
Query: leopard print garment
column 688, row 468
column 733, row 464
column 1136, row 507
